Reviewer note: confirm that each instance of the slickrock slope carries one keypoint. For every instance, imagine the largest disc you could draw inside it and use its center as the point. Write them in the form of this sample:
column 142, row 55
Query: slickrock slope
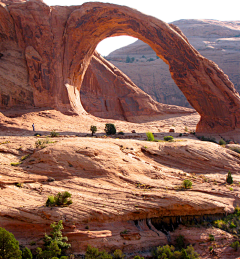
column 58, row 43
column 116, row 184
column 216, row 40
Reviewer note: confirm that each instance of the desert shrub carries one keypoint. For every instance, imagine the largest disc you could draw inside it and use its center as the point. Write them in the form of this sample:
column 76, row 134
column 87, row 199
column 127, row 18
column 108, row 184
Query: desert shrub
column 168, row 138
column 150, row 136
column 235, row 245
column 110, row 129
column 15, row 163
column 170, row 252
column 221, row 142
column 211, row 237
column 9, row 246
column 60, row 199
column 93, row 253
column 187, row 184
column 230, row 223
column 19, row 185
column 229, row 178
column 180, row 135
column 26, row 253
column 53, row 134
column 93, row 129
column 40, row 144
column 120, row 133
column 118, row 254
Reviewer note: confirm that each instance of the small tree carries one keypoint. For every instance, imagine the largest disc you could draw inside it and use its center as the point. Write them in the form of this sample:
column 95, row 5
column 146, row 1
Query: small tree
column 110, row 129
column 93, row 129
column 55, row 244
column 229, row 178
column 9, row 246
column 150, row 136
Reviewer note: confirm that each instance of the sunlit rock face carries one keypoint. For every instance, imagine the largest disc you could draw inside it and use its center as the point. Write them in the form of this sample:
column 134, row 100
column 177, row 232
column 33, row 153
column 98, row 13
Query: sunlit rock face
column 56, row 44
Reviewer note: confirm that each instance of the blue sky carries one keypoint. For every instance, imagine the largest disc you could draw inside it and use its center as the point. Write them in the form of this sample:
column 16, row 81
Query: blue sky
column 167, row 11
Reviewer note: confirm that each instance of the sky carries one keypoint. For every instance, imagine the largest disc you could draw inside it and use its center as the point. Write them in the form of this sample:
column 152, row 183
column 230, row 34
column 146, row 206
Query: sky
column 167, row 11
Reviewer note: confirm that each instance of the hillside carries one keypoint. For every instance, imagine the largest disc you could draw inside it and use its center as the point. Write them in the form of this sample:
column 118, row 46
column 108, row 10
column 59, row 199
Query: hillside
column 216, row 40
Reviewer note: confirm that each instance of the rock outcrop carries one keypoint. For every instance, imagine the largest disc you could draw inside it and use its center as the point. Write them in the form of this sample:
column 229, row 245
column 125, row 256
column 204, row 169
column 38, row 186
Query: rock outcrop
column 59, row 42
column 106, row 92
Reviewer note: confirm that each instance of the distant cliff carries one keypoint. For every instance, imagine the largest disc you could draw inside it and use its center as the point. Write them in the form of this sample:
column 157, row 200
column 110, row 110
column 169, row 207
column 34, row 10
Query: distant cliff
column 216, row 40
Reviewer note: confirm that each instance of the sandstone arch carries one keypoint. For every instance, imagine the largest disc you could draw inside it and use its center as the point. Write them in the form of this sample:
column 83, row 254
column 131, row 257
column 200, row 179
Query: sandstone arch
column 205, row 86
column 58, row 43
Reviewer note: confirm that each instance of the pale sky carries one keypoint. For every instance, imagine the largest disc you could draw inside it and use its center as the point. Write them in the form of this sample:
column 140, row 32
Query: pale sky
column 167, row 11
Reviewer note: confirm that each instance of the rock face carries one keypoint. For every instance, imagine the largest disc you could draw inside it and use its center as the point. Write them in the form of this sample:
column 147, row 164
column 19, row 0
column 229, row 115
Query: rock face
column 216, row 40
column 59, row 42
column 106, row 92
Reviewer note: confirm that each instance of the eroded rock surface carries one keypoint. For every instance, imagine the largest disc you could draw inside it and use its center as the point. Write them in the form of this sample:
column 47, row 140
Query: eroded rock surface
column 57, row 59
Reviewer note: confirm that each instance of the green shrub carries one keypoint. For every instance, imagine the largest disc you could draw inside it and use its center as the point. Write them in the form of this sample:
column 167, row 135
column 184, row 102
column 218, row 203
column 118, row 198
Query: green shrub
column 211, row 237
column 93, row 129
column 229, row 178
column 53, row 134
column 222, row 142
column 93, row 253
column 118, row 254
column 150, row 136
column 26, row 253
column 235, row 245
column 9, row 246
column 120, row 133
column 187, row 184
column 16, row 163
column 230, row 223
column 169, row 252
column 168, row 138
column 61, row 199
column 19, row 185
column 110, row 129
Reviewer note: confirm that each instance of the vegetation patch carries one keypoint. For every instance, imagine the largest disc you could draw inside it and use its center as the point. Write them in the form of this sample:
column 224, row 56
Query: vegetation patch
column 168, row 138
column 60, row 199
column 187, row 184
column 110, row 129
column 231, row 223
column 54, row 134
column 150, row 136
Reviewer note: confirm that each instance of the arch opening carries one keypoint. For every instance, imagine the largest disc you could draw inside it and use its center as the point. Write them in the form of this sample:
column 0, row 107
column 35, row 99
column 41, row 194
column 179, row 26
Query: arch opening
column 199, row 79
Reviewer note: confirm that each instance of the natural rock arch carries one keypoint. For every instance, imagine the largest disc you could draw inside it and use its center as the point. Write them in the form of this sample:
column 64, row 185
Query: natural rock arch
column 205, row 86
column 58, row 43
